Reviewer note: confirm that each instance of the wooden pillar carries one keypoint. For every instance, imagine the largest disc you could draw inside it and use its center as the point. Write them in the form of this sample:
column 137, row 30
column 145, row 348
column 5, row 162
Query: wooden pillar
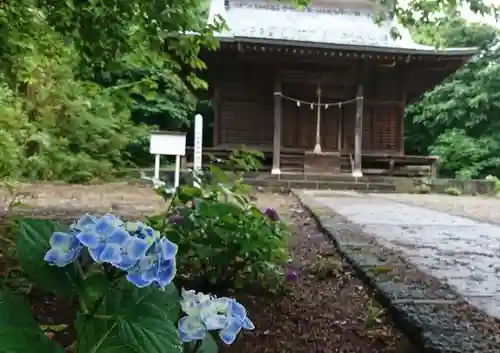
column 358, row 133
column 434, row 168
column 317, row 145
column 276, row 169
column 401, row 125
column 340, row 126
column 216, row 110
column 215, row 85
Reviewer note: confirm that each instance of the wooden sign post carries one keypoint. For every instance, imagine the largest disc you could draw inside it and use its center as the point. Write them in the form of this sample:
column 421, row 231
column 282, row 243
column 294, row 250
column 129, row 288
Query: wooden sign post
column 168, row 143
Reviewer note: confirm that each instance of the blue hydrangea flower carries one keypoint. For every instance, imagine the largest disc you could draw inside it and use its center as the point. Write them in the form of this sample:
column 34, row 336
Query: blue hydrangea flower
column 204, row 313
column 209, row 313
column 65, row 248
column 157, row 266
column 191, row 329
column 143, row 231
column 86, row 222
column 236, row 320
column 123, row 250
column 134, row 227
column 108, row 241
column 213, row 313
column 135, row 247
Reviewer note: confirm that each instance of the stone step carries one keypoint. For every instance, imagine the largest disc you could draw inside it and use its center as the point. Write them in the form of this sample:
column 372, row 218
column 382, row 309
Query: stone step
column 298, row 166
column 292, row 160
column 292, row 169
column 340, row 177
column 292, row 155
column 323, row 185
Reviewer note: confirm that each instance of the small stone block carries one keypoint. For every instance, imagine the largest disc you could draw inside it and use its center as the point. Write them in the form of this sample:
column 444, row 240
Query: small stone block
column 326, row 162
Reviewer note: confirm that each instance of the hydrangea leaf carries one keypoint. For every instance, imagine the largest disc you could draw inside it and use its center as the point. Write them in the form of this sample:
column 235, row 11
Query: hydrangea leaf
column 32, row 242
column 95, row 287
column 131, row 320
column 208, row 345
column 19, row 332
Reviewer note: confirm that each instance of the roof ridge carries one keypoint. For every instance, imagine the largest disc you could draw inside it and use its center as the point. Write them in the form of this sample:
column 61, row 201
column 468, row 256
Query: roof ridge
column 260, row 20
column 312, row 9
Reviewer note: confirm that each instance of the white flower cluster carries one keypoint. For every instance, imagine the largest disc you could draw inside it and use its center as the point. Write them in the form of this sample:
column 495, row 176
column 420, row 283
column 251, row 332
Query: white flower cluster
column 209, row 313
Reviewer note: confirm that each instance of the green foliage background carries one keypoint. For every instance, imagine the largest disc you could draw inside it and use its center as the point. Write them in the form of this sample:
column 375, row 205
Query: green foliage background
column 81, row 83
column 79, row 80
column 458, row 120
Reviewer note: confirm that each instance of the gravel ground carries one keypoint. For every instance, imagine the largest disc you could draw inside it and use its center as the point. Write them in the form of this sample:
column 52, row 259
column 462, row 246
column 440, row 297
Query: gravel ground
column 483, row 209
column 70, row 201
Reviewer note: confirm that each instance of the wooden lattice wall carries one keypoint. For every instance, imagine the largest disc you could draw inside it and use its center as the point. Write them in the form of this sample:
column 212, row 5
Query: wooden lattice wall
column 245, row 106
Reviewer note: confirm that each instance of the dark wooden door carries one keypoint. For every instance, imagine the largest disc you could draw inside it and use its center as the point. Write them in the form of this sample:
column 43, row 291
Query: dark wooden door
column 298, row 126
column 330, row 120
column 348, row 122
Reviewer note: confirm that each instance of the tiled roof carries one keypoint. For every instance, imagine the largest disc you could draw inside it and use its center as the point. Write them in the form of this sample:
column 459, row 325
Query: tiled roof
column 280, row 22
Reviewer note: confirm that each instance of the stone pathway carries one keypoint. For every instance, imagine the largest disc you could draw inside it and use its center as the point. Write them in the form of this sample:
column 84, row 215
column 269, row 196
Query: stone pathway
column 463, row 252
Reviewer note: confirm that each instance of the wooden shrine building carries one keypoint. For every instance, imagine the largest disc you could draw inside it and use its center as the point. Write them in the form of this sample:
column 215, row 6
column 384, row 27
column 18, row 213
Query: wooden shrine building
column 322, row 89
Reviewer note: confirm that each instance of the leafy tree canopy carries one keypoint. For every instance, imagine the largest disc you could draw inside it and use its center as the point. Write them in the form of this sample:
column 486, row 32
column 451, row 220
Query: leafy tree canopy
column 72, row 72
column 68, row 69
column 458, row 119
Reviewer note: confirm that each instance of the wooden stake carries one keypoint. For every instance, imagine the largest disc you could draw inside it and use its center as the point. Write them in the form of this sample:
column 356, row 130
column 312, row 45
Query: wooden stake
column 358, row 133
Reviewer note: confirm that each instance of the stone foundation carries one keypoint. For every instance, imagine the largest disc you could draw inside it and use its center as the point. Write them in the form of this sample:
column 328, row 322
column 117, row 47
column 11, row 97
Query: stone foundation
column 325, row 162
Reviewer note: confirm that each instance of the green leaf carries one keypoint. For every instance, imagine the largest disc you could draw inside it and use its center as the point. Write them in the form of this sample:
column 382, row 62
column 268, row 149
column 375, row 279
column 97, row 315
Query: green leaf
column 94, row 288
column 32, row 242
column 218, row 174
column 208, row 345
column 19, row 332
column 131, row 320
column 188, row 193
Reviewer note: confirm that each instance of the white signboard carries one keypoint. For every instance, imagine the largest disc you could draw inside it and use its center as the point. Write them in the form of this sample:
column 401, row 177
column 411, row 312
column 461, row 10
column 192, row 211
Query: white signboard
column 168, row 143
column 198, row 141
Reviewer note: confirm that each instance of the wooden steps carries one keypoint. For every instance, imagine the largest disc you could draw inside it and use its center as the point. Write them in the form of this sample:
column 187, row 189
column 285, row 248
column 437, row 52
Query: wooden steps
column 292, row 162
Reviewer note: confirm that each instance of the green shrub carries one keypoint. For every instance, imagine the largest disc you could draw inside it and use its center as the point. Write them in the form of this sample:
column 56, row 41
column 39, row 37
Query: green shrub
column 453, row 191
column 224, row 240
column 422, row 189
column 496, row 180
column 229, row 246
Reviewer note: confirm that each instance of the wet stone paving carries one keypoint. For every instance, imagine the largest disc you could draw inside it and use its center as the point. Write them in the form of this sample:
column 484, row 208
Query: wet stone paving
column 462, row 252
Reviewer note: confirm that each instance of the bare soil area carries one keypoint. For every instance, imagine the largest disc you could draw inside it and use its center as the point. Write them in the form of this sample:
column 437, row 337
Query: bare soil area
column 326, row 310
column 70, row 201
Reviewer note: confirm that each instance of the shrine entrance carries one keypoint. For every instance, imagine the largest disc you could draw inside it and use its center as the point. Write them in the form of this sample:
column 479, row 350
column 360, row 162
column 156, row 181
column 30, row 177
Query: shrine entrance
column 300, row 122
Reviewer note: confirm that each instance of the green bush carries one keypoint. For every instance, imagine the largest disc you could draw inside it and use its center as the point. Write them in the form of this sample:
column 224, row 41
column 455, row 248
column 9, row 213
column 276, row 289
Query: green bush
column 496, row 180
column 224, row 240
column 422, row 189
column 453, row 191
column 229, row 246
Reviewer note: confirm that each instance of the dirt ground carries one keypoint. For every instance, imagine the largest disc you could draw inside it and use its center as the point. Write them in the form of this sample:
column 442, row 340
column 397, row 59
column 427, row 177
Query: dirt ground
column 326, row 309
column 61, row 200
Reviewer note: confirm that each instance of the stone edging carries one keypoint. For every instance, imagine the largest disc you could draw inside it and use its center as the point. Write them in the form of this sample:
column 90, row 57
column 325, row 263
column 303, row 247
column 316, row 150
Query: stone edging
column 433, row 317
